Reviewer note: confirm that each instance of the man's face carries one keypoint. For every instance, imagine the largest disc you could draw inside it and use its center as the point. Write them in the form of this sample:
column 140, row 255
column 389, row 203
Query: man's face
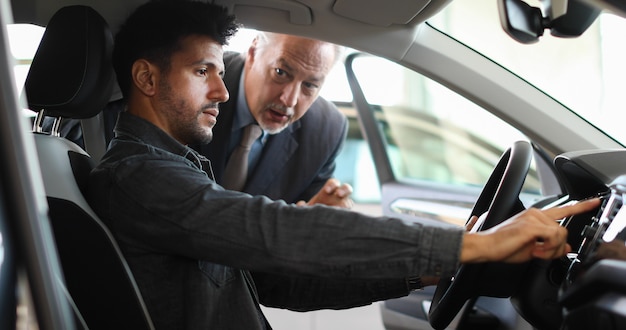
column 284, row 77
column 189, row 93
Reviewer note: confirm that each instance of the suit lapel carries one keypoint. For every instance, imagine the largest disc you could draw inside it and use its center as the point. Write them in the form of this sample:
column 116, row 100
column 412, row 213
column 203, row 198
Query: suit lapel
column 276, row 153
column 218, row 152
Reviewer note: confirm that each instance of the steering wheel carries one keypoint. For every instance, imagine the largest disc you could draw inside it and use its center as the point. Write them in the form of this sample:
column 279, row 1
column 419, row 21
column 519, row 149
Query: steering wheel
column 500, row 198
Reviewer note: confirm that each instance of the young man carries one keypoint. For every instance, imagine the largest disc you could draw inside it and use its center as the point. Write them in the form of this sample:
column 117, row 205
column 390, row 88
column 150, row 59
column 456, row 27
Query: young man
column 276, row 85
column 191, row 244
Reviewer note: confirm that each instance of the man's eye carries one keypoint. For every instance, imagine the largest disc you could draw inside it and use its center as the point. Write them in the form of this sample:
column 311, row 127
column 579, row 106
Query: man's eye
column 310, row 85
column 280, row 72
column 202, row 71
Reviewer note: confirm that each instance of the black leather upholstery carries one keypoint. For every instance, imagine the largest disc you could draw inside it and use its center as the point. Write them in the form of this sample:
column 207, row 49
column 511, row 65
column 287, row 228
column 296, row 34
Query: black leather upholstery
column 71, row 74
column 71, row 77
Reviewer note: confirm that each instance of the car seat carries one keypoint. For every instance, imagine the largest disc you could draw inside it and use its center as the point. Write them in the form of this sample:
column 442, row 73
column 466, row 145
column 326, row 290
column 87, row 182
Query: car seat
column 71, row 77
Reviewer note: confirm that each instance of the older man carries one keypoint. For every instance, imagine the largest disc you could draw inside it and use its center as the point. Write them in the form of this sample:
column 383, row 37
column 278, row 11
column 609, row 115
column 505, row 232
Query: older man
column 276, row 85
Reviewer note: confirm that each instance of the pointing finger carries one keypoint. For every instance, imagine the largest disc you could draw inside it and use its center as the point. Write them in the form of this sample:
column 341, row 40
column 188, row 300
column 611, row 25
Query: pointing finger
column 580, row 207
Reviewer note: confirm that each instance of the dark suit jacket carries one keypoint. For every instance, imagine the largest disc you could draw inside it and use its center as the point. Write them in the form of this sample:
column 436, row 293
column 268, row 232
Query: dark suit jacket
column 295, row 163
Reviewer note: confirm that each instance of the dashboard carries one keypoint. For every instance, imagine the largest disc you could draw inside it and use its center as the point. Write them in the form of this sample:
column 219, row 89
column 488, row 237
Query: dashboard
column 585, row 290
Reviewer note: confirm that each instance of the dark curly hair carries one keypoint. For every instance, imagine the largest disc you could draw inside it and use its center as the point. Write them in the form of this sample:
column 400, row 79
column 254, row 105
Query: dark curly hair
column 154, row 30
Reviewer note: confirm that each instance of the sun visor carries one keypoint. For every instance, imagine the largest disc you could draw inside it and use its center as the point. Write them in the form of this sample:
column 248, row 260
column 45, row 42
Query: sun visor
column 387, row 13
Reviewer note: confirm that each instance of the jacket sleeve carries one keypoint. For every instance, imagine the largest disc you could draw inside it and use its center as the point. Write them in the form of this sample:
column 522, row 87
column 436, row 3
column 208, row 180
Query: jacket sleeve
column 306, row 294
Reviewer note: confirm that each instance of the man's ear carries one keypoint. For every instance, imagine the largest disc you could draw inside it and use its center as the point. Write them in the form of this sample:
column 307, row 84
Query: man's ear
column 144, row 76
column 252, row 50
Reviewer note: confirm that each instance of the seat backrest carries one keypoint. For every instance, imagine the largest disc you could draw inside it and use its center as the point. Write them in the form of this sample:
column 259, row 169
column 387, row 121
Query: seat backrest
column 71, row 77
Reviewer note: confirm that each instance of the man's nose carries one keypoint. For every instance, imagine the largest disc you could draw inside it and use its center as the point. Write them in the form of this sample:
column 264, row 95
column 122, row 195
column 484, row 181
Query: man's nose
column 218, row 91
column 289, row 97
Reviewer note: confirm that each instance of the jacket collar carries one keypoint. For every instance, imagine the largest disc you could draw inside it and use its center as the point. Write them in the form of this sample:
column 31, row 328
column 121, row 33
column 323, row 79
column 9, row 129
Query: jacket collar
column 134, row 128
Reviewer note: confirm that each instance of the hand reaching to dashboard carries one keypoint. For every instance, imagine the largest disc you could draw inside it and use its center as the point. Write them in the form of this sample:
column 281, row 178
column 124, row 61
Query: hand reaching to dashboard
column 334, row 193
column 532, row 233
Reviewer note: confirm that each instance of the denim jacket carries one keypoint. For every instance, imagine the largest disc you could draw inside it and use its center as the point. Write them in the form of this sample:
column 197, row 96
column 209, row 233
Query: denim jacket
column 190, row 244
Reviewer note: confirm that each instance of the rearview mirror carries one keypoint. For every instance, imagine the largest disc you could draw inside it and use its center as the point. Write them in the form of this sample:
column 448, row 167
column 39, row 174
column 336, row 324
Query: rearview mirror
column 578, row 18
column 526, row 24
column 521, row 21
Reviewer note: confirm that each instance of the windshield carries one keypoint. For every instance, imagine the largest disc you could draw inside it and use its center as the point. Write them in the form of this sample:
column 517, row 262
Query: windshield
column 587, row 74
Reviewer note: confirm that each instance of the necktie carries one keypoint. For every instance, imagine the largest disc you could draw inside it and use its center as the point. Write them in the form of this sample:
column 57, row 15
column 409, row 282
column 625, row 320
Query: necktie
column 236, row 171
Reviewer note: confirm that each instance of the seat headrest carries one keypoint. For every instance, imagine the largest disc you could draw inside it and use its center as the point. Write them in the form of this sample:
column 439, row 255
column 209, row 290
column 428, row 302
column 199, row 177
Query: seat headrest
column 71, row 75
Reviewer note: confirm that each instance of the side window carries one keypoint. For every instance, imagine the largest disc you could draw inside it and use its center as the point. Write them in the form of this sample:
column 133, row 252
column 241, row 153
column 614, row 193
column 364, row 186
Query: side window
column 432, row 134
column 23, row 40
column 355, row 165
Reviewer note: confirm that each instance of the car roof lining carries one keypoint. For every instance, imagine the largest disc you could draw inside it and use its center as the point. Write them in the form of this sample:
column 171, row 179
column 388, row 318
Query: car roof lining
column 370, row 12
column 381, row 13
column 392, row 24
